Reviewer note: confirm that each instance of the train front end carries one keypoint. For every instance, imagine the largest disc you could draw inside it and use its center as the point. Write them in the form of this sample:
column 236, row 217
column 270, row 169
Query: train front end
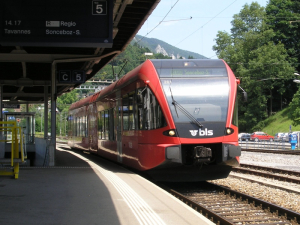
column 200, row 95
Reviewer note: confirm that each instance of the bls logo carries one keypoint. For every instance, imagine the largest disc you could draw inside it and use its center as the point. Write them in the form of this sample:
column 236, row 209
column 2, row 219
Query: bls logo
column 193, row 132
column 206, row 132
column 202, row 132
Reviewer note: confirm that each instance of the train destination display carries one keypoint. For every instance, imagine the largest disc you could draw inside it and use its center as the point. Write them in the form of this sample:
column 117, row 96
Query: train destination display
column 61, row 23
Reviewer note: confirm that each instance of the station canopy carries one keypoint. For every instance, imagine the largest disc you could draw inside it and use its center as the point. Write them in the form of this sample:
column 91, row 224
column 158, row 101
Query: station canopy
column 70, row 40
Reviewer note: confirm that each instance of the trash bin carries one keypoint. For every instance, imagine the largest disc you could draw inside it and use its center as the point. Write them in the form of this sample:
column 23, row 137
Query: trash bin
column 293, row 140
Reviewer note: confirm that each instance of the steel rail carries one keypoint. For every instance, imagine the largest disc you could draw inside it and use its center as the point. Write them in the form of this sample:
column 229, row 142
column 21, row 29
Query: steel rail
column 268, row 174
column 214, row 215
column 287, row 152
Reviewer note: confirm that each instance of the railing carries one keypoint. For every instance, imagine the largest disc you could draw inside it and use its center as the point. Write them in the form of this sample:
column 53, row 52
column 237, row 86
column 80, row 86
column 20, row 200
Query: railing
column 11, row 126
column 270, row 145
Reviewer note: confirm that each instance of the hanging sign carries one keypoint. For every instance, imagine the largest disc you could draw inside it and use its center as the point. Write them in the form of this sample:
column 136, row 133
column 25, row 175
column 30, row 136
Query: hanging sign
column 61, row 23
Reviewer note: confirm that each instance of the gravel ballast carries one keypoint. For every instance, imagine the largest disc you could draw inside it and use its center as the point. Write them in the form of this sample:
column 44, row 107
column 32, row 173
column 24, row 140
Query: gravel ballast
column 274, row 195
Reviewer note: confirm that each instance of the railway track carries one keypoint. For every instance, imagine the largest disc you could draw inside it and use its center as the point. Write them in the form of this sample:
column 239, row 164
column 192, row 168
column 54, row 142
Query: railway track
column 278, row 174
column 225, row 206
column 286, row 152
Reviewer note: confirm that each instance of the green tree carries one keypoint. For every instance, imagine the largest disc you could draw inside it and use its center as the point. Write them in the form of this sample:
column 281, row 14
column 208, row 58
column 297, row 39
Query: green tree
column 260, row 64
column 64, row 101
column 294, row 112
column 283, row 17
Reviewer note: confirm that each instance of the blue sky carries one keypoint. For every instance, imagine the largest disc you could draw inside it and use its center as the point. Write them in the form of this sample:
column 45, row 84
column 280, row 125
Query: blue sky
column 196, row 34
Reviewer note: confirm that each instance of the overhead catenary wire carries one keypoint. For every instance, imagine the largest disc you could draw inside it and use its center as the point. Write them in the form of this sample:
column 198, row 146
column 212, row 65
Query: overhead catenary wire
column 205, row 23
column 160, row 21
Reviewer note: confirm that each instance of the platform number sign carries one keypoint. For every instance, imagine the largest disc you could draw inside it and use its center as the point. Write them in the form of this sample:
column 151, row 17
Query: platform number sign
column 99, row 7
column 64, row 76
column 78, row 76
column 71, row 76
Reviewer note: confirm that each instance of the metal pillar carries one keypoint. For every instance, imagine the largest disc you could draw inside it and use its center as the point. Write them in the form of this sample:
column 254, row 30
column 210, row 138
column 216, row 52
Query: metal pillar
column 1, row 114
column 45, row 112
column 1, row 98
column 52, row 146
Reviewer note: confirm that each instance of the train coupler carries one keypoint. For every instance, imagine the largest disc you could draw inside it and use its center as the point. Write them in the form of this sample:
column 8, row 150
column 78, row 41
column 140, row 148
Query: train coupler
column 202, row 154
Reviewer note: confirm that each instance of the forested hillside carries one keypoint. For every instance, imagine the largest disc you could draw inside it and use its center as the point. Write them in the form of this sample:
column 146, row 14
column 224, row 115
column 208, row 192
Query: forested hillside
column 158, row 46
column 133, row 56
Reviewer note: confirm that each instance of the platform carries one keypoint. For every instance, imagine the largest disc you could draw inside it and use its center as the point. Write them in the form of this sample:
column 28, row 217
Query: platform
column 86, row 189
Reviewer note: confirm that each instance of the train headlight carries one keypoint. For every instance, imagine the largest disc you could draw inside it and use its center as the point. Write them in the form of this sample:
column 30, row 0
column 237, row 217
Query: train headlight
column 170, row 133
column 229, row 131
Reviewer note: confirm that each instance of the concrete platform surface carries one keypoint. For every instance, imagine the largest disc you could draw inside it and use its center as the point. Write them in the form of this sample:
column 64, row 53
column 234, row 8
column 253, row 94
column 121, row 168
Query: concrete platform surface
column 86, row 189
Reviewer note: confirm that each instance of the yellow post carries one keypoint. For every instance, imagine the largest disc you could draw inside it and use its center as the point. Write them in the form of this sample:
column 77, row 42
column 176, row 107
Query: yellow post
column 15, row 160
column 16, row 170
column 16, row 153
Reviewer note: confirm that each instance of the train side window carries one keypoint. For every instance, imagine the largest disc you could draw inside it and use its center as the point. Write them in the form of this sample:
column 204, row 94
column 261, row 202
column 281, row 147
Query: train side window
column 111, row 124
column 100, row 125
column 73, row 126
column 125, row 112
column 69, row 124
column 106, row 125
column 81, row 126
column 86, row 126
column 131, row 110
column 76, row 127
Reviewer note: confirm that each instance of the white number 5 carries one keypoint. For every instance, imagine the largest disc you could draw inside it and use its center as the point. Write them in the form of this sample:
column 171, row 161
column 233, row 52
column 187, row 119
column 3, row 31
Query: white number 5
column 99, row 9
column 78, row 77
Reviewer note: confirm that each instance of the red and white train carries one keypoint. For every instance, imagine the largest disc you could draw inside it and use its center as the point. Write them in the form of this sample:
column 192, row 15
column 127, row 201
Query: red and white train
column 174, row 119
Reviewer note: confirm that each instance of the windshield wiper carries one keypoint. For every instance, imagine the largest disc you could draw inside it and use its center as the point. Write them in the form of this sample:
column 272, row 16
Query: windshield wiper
column 184, row 111
column 173, row 102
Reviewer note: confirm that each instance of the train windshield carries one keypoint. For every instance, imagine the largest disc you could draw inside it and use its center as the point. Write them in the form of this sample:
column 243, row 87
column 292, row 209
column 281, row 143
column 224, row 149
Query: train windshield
column 206, row 99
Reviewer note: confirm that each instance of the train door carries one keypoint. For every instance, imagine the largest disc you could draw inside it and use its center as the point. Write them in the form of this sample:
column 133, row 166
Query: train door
column 118, row 126
column 92, row 128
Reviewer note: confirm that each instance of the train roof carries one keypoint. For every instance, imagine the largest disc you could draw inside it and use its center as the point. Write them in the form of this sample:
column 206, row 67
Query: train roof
column 173, row 63
column 80, row 103
column 158, row 63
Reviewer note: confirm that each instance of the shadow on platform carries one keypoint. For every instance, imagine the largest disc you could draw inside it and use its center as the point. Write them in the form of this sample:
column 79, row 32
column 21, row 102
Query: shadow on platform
column 69, row 193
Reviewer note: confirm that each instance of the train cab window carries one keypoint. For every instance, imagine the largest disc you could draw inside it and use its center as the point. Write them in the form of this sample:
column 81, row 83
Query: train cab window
column 150, row 115
column 235, row 114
